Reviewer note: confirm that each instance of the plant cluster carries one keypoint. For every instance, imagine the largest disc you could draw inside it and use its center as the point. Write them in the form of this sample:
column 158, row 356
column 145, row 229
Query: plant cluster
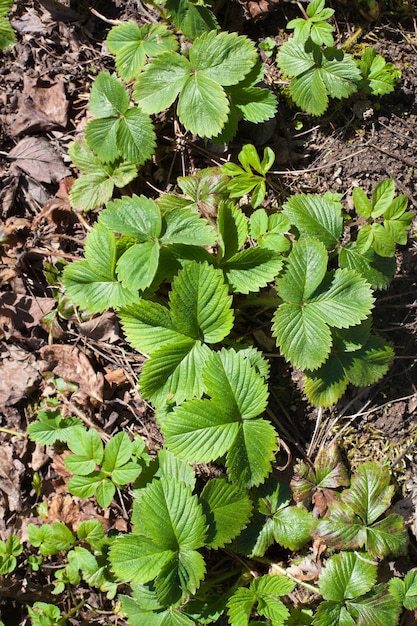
column 213, row 79
column 178, row 527
column 216, row 254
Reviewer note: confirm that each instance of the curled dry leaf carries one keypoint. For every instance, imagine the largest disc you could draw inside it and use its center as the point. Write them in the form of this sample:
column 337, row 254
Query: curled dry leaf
column 36, row 157
column 73, row 365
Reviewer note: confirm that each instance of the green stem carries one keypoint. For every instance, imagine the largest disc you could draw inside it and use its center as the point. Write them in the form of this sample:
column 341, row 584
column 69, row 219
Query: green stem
column 8, row 431
column 74, row 610
column 284, row 572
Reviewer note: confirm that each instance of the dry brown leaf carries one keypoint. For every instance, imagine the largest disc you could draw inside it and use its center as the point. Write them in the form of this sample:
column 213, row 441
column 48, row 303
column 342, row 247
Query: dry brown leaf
column 60, row 12
column 41, row 106
column 117, row 377
column 306, row 570
column 11, row 473
column 73, row 365
column 321, row 500
column 29, row 22
column 20, row 313
column 105, row 327
column 72, row 511
column 36, row 157
column 19, row 374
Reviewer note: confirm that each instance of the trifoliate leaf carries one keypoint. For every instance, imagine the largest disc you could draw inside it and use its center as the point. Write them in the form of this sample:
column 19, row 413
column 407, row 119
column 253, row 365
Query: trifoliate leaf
column 267, row 588
column 351, row 522
column 225, row 58
column 341, row 300
column 203, row 430
column 316, row 216
column 92, row 283
column 205, row 189
column 379, row 77
column 132, row 45
column 135, row 216
column 161, row 81
column 176, row 527
column 328, row 473
column 405, row 591
column 203, row 106
column 347, row 575
column 190, row 18
column 252, row 269
column 227, row 510
column 108, row 96
column 96, row 187
column 317, row 75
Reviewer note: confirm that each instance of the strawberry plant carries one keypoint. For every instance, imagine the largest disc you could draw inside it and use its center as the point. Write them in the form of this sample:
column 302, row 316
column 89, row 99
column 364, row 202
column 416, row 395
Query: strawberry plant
column 318, row 70
column 9, row 550
column 98, row 470
column 244, row 180
column 214, row 85
column 180, row 270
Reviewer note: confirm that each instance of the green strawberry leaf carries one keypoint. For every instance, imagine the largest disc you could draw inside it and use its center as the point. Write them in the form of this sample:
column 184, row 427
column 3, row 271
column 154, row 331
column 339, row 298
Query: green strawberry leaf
column 225, row 58
column 316, row 216
column 161, row 82
column 91, row 283
column 227, row 510
column 133, row 45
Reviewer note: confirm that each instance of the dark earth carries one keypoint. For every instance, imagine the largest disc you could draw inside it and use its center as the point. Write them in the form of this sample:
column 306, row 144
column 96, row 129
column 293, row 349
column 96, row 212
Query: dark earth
column 44, row 88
